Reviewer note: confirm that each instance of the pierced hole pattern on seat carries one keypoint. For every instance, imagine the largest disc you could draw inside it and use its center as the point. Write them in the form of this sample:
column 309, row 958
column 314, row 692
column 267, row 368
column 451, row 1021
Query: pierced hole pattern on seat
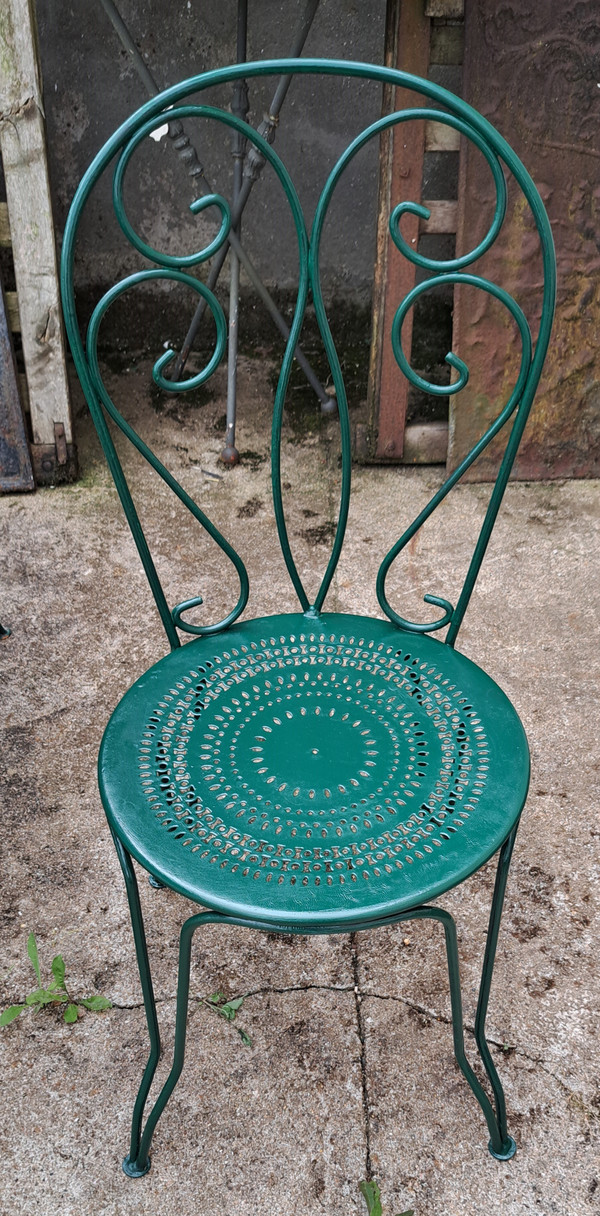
column 319, row 772
column 313, row 759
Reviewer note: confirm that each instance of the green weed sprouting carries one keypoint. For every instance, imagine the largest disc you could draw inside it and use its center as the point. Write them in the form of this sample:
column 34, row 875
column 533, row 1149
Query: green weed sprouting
column 372, row 1196
column 56, row 993
column 227, row 1009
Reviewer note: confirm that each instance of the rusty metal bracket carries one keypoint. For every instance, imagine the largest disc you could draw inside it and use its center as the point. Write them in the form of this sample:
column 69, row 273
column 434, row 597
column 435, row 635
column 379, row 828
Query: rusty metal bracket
column 61, row 443
column 54, row 464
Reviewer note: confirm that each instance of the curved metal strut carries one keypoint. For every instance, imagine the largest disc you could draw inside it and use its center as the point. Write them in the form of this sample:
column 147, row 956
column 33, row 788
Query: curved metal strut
column 501, row 1145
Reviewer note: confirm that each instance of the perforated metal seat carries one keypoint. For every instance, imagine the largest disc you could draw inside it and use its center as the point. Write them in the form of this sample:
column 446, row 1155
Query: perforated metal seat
column 316, row 772
column 314, row 775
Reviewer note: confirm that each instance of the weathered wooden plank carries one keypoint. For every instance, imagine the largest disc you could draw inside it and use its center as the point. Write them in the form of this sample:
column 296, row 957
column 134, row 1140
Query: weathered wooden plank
column 15, row 461
column 444, row 8
column 443, row 216
column 441, row 138
column 22, row 142
column 447, row 44
column 12, row 311
column 426, row 443
column 4, row 226
column 401, row 173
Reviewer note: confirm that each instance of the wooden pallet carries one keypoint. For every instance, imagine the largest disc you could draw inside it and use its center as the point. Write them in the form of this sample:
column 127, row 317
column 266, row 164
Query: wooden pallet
column 26, row 223
column 15, row 461
column 417, row 37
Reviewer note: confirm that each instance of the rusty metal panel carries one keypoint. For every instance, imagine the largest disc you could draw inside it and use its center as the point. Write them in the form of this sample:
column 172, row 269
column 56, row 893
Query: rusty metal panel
column 401, row 172
column 15, row 460
column 532, row 69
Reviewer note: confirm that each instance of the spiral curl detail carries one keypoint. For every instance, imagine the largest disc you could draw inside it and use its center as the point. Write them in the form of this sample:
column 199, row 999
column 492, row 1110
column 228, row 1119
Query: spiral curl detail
column 411, row 208
column 436, row 389
column 177, row 276
column 173, row 261
column 99, row 388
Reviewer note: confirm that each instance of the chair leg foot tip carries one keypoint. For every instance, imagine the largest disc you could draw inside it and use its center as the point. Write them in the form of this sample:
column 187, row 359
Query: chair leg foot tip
column 133, row 1170
column 507, row 1151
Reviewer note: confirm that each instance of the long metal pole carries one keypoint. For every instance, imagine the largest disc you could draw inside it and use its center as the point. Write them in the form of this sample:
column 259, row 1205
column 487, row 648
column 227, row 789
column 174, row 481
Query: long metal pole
column 230, row 454
column 254, row 166
column 187, row 152
column 327, row 401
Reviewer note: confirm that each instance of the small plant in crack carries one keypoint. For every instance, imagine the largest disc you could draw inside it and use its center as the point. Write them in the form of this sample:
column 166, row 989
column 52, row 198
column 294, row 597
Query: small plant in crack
column 372, row 1197
column 56, row 993
column 219, row 1004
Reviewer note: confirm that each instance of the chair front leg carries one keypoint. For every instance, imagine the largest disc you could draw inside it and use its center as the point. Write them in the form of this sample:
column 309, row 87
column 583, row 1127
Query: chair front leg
column 136, row 1167
column 445, row 918
column 501, row 1145
column 141, row 949
column 137, row 1161
column 509, row 1146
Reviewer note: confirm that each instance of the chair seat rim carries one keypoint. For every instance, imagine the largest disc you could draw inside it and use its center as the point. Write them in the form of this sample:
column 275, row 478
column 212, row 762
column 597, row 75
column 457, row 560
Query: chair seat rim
column 306, row 909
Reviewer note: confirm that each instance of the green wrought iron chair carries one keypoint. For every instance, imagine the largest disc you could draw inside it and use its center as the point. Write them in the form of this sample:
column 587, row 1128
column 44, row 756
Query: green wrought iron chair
column 312, row 772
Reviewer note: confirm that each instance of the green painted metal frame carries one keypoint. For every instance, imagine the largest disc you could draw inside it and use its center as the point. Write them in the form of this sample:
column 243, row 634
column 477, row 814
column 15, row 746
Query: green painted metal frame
column 171, row 106
column 501, row 1145
column 456, row 114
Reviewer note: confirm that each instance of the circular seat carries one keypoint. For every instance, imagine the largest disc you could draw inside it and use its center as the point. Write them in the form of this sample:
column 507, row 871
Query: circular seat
column 313, row 771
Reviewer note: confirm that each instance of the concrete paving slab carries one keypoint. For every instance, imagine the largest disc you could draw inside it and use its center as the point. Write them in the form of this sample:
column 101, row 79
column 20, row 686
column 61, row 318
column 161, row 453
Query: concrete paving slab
column 426, row 1129
column 247, row 1128
column 293, row 1124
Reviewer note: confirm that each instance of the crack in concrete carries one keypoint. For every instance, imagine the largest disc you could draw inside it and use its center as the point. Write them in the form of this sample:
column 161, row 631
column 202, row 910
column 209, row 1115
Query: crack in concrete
column 363, row 1059
column 359, row 995
column 29, row 725
column 470, row 1029
column 301, row 988
column 163, row 1000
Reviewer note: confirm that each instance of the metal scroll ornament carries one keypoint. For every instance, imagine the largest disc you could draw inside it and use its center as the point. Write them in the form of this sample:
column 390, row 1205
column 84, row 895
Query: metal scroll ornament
column 172, row 106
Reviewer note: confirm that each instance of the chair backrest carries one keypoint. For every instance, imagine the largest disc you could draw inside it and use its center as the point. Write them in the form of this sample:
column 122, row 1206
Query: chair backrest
column 439, row 105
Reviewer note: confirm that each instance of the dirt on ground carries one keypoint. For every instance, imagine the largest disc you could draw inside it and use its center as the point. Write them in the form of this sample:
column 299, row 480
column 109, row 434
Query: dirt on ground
column 350, row 1068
